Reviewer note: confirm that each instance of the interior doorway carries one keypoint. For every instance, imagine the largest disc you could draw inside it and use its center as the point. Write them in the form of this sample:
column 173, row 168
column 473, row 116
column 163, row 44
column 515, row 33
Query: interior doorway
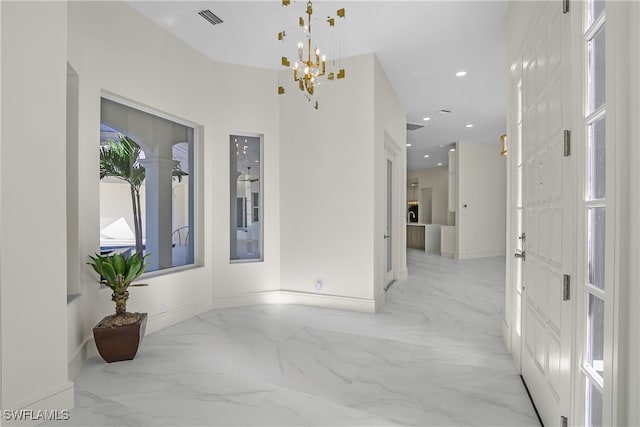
column 388, row 234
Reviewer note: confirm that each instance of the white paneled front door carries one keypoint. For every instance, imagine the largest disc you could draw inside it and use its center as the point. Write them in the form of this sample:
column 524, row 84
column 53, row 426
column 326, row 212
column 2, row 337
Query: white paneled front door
column 547, row 217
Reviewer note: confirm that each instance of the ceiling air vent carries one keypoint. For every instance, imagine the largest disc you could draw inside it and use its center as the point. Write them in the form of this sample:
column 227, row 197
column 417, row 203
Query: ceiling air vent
column 414, row 126
column 210, row 16
column 444, row 111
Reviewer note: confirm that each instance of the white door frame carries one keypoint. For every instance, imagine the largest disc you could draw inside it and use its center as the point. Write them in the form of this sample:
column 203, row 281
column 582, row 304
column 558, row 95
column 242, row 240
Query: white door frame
column 511, row 330
column 397, row 155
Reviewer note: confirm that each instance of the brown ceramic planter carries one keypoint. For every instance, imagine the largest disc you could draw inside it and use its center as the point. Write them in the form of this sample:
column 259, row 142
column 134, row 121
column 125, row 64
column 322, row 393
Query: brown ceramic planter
column 120, row 343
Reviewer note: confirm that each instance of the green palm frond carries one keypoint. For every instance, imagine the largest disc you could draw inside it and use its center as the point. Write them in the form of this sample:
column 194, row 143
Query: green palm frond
column 120, row 159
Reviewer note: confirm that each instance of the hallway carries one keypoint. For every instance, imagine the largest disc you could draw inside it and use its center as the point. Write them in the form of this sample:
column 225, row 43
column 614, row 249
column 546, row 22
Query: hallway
column 432, row 356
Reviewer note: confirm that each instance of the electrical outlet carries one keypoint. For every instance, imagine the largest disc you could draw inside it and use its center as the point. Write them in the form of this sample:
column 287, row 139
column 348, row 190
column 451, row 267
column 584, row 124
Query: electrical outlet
column 318, row 286
column 164, row 307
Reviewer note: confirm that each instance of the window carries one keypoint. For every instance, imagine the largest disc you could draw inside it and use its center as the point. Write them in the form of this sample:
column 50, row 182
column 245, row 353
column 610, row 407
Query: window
column 146, row 186
column 594, row 206
column 245, row 198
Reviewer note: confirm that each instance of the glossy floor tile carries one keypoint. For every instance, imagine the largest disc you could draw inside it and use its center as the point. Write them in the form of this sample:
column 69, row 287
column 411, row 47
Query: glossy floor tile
column 432, row 356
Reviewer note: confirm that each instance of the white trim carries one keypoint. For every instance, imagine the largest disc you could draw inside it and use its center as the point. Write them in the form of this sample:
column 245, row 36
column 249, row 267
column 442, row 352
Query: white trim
column 112, row 96
column 197, row 173
column 472, row 255
column 399, row 245
column 84, row 352
column 326, row 301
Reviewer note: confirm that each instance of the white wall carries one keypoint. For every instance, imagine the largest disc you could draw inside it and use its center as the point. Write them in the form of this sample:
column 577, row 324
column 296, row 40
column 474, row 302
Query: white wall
column 623, row 204
column 481, row 220
column 33, row 254
column 220, row 99
column 330, row 232
column 438, row 180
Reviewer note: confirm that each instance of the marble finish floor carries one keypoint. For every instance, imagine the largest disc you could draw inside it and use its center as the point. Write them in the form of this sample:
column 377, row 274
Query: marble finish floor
column 432, row 356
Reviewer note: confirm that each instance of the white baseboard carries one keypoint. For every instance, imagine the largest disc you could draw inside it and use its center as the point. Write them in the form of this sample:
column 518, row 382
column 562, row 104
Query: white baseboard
column 86, row 351
column 160, row 321
column 471, row 255
column 327, row 301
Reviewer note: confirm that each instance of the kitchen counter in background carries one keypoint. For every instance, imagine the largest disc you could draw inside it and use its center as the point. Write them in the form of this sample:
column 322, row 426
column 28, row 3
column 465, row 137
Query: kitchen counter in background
column 424, row 236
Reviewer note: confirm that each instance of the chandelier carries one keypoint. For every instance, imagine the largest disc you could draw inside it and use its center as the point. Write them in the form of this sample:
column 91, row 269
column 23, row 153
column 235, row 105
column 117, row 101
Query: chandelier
column 309, row 68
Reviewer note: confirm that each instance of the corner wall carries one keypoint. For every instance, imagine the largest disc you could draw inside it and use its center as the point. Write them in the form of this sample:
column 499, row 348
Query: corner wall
column 33, row 288
column 333, row 181
column 326, row 176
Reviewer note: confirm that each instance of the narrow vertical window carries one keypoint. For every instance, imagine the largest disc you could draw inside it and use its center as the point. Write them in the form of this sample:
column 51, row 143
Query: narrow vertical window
column 594, row 208
column 245, row 198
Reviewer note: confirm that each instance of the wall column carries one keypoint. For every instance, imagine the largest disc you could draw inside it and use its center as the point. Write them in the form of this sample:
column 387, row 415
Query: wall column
column 158, row 210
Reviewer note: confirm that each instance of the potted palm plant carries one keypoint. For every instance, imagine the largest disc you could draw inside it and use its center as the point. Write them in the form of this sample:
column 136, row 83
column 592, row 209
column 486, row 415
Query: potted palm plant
column 118, row 336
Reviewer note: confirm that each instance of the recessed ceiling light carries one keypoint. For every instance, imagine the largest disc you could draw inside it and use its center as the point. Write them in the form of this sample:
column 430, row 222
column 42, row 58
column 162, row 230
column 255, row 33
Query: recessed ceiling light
column 408, row 145
column 439, row 164
column 426, row 119
column 461, row 73
column 426, row 156
column 469, row 126
column 452, row 149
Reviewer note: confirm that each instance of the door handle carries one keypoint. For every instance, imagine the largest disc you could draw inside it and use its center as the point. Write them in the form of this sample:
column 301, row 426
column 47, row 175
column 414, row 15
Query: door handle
column 387, row 236
column 520, row 255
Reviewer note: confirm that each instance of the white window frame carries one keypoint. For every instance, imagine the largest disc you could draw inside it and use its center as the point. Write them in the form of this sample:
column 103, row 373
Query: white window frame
column 261, row 201
column 198, row 225
column 583, row 34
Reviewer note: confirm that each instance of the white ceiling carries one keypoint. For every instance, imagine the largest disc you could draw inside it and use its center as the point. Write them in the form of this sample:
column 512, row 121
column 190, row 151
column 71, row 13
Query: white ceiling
column 420, row 45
